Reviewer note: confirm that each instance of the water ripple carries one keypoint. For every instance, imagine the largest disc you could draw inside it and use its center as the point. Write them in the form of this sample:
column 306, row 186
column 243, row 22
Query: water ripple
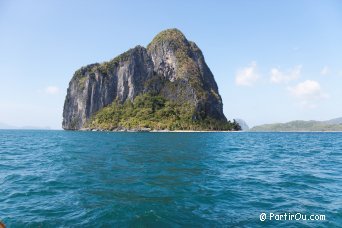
column 63, row 179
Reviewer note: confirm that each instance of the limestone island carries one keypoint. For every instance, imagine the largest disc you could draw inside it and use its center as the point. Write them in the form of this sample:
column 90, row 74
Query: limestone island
column 166, row 86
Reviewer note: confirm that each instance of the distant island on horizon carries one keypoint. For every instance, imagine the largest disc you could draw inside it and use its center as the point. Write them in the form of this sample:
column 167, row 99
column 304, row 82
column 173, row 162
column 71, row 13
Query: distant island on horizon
column 166, row 86
column 301, row 125
column 5, row 126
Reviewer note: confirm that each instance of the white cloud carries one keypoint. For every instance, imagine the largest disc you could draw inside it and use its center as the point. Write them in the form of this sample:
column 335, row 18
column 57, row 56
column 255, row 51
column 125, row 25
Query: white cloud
column 247, row 76
column 325, row 70
column 277, row 76
column 51, row 90
column 308, row 93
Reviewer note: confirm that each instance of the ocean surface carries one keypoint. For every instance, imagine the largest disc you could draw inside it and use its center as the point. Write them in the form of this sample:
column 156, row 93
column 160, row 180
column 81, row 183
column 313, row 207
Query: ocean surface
column 107, row 179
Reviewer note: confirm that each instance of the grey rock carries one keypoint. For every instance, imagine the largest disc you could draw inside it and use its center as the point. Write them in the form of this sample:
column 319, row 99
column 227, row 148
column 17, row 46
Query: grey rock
column 170, row 66
column 244, row 126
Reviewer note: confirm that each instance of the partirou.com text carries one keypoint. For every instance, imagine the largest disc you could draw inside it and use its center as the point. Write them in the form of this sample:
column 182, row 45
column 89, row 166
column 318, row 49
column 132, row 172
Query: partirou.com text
column 291, row 216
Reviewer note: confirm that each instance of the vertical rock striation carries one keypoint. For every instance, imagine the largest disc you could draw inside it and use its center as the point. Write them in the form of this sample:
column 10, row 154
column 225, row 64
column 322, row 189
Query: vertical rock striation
column 170, row 66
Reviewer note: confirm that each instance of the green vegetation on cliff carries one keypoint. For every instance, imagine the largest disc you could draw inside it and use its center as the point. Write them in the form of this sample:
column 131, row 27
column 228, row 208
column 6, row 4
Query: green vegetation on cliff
column 156, row 113
column 186, row 66
column 168, row 35
column 167, row 85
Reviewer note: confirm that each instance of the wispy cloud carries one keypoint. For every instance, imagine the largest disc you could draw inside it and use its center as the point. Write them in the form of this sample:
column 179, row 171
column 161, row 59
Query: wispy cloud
column 325, row 70
column 277, row 76
column 247, row 76
column 52, row 90
column 295, row 49
column 308, row 93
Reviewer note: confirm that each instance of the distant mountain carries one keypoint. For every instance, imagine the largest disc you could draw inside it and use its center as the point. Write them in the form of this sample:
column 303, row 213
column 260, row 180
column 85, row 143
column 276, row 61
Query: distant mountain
column 34, row 128
column 301, row 125
column 10, row 127
column 6, row 126
column 242, row 124
column 334, row 121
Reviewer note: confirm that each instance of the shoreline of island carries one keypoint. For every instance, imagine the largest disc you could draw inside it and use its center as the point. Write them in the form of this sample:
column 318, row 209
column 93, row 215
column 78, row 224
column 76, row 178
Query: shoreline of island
column 151, row 130
column 195, row 131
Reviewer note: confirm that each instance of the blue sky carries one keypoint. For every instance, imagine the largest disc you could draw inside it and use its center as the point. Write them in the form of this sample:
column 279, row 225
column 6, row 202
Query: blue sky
column 274, row 61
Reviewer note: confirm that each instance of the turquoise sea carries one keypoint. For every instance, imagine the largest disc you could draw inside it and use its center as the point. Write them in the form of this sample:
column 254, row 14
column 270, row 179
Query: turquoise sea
column 107, row 179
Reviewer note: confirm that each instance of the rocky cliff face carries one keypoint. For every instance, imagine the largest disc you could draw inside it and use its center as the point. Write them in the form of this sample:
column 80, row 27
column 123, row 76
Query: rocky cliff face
column 170, row 66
